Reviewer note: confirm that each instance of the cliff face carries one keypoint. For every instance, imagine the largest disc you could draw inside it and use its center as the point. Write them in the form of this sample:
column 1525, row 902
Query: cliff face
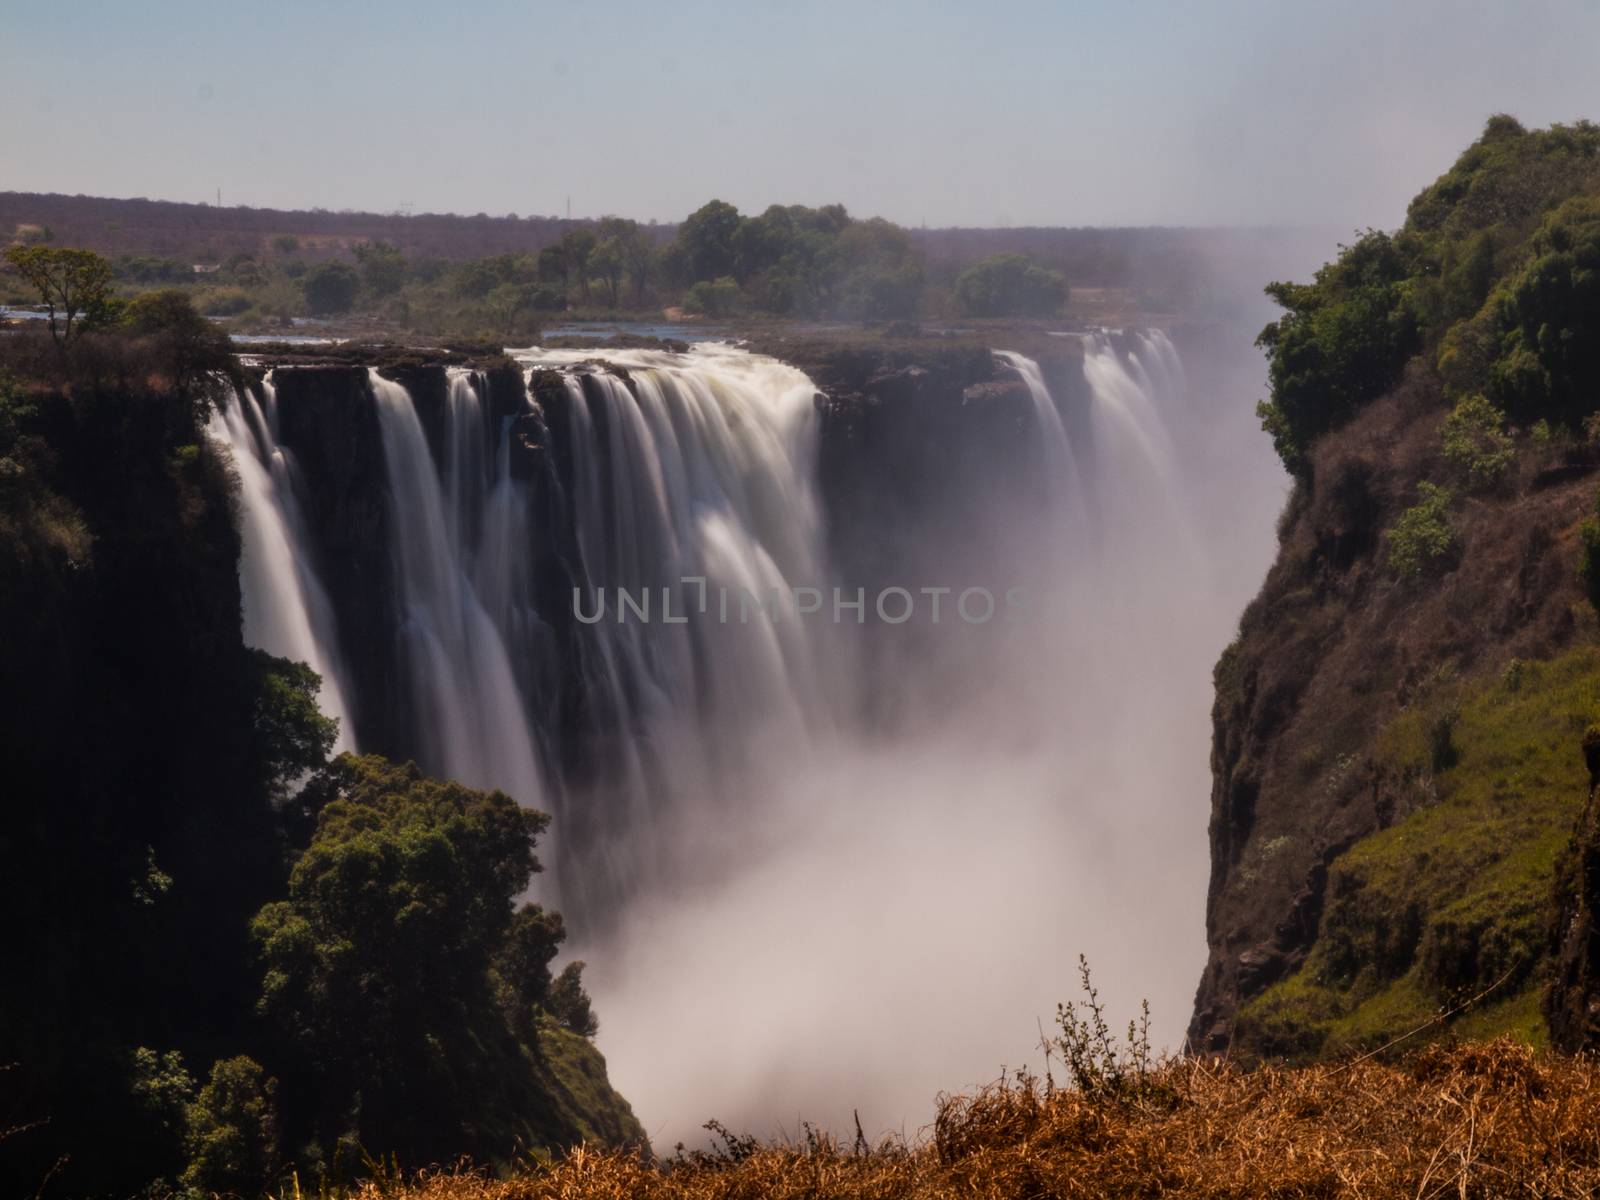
column 1394, row 766
column 136, row 826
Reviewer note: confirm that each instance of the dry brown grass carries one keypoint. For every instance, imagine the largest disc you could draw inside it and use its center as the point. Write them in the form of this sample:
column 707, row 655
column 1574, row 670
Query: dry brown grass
column 1477, row 1120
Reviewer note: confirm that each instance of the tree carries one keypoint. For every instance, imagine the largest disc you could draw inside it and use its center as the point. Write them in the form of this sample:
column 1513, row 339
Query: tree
column 379, row 964
column 634, row 252
column 708, row 235
column 383, row 267
column 607, row 261
column 510, row 300
column 522, row 964
column 331, row 288
column 293, row 736
column 554, row 266
column 195, row 353
column 1010, row 285
column 569, row 1003
column 72, row 284
column 232, row 1137
column 1341, row 341
column 577, row 245
column 639, row 253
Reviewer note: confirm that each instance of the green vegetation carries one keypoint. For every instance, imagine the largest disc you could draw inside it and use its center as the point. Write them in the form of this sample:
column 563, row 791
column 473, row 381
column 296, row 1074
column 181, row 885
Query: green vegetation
column 1455, row 897
column 1492, row 276
column 1476, row 442
column 1421, row 539
column 331, row 288
column 1008, row 285
column 74, row 286
column 1589, row 557
column 405, row 989
column 789, row 260
column 1340, row 345
column 234, row 958
column 1549, row 365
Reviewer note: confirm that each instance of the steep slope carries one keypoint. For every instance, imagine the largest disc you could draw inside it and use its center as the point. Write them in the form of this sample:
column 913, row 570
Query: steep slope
column 1396, row 764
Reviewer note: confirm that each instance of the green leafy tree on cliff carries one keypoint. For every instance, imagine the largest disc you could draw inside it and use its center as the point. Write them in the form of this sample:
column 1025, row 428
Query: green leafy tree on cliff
column 1340, row 343
column 389, row 965
column 1550, row 359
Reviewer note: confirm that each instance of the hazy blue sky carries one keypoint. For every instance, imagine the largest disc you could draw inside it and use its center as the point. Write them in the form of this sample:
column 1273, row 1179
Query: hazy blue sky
column 1004, row 111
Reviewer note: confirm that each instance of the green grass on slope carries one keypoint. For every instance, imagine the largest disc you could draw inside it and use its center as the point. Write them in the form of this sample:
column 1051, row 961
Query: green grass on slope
column 1457, row 894
column 582, row 1092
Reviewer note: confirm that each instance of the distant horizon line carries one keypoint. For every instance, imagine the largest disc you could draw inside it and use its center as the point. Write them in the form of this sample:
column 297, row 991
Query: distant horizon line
column 657, row 222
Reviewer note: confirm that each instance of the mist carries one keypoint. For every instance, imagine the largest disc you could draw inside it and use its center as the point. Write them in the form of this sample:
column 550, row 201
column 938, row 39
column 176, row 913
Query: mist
column 894, row 912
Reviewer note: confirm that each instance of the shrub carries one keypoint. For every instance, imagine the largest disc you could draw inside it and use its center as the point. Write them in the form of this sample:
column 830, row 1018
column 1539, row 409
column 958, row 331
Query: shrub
column 1475, row 441
column 1551, row 362
column 1589, row 557
column 1421, row 538
column 222, row 301
column 713, row 299
column 1097, row 1065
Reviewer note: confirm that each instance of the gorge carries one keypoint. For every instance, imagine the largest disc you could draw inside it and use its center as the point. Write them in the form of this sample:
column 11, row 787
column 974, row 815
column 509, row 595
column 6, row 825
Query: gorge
column 757, row 813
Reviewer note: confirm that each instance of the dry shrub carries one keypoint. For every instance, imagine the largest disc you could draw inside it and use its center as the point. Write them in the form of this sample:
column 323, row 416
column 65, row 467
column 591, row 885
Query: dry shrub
column 1478, row 1120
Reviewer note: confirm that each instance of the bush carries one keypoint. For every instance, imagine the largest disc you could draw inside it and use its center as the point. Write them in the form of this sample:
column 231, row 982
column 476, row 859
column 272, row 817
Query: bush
column 1550, row 317
column 713, row 299
column 1589, row 557
column 222, row 301
column 1475, row 441
column 1421, row 539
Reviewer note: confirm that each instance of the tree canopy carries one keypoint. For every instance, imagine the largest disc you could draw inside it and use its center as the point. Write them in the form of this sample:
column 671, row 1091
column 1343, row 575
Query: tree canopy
column 1492, row 278
column 73, row 285
column 1009, row 285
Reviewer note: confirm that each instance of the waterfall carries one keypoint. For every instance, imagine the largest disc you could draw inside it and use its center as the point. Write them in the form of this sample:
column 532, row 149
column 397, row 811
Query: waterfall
column 759, row 875
column 452, row 536
column 286, row 609
column 694, row 491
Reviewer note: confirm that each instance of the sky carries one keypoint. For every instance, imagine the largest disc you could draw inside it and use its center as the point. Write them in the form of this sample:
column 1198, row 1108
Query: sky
column 1019, row 112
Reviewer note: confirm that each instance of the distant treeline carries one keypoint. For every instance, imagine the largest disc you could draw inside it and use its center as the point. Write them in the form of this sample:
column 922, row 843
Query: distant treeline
column 204, row 233
column 1169, row 267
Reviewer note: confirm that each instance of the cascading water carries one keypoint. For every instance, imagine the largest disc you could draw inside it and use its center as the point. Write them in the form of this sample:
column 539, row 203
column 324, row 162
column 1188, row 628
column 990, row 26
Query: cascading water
column 286, row 608
column 785, row 907
column 693, row 492
column 452, row 539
